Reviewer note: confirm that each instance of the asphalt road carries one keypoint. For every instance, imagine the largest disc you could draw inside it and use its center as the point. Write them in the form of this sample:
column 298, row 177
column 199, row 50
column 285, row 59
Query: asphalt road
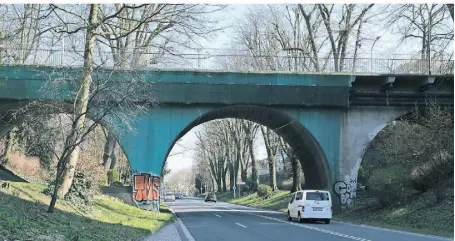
column 226, row 222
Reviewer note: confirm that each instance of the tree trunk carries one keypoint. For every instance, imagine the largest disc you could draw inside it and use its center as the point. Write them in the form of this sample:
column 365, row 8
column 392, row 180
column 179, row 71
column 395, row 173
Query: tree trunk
column 236, row 172
column 450, row 7
column 81, row 102
column 213, row 184
column 9, row 145
column 219, row 187
column 272, row 171
column 243, row 172
column 113, row 159
column 109, row 147
column 254, row 169
column 68, row 175
column 231, row 178
column 296, row 175
column 271, row 150
column 224, row 179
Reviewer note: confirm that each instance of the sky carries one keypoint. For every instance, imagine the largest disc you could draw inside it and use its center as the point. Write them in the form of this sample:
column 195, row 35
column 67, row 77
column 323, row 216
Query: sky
column 388, row 43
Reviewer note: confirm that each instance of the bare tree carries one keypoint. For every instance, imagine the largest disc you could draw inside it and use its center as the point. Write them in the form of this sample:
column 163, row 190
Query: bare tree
column 450, row 8
column 182, row 181
column 100, row 99
column 295, row 163
column 271, row 145
column 71, row 21
column 143, row 32
column 251, row 130
column 24, row 30
column 428, row 24
column 339, row 38
column 212, row 150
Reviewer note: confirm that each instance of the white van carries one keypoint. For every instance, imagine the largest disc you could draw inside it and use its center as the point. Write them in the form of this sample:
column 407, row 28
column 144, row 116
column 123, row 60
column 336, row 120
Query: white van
column 310, row 205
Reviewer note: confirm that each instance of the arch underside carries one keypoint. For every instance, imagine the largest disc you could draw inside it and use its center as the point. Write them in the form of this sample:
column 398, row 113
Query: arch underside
column 306, row 147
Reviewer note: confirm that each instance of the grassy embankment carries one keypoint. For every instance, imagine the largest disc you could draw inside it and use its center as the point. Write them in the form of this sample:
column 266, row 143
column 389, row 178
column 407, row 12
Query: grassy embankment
column 421, row 215
column 23, row 216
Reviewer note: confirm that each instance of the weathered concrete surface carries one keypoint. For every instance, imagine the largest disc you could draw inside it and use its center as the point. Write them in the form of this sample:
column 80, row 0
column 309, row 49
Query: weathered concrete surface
column 122, row 193
column 359, row 126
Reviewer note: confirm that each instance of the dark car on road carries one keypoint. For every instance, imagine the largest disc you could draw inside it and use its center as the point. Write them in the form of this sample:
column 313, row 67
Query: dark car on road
column 178, row 196
column 210, row 197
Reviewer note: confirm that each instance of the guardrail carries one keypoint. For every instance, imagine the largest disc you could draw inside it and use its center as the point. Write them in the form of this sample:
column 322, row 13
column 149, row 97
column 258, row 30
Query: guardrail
column 219, row 61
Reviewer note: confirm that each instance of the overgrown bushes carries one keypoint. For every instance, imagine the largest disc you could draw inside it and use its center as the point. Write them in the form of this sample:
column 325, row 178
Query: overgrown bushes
column 388, row 184
column 264, row 191
column 112, row 176
column 80, row 193
column 411, row 156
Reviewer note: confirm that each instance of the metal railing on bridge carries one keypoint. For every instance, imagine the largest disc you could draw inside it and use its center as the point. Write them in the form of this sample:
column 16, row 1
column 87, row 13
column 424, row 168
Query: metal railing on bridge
column 229, row 60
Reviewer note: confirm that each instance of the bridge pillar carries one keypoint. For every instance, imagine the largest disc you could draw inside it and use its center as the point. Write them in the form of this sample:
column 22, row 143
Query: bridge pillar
column 147, row 147
column 359, row 126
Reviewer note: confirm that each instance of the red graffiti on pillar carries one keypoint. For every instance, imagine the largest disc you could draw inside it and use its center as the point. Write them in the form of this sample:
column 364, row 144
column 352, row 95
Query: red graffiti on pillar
column 146, row 187
column 156, row 188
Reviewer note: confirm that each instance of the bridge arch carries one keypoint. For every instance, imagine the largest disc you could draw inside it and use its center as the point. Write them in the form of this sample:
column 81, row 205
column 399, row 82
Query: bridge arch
column 361, row 125
column 313, row 159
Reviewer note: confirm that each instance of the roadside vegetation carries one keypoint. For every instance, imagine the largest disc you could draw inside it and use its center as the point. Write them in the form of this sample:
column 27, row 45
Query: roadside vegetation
column 23, row 217
column 421, row 214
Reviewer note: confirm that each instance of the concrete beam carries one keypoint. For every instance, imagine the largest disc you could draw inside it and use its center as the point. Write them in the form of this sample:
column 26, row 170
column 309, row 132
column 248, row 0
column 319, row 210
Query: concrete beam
column 427, row 83
column 387, row 83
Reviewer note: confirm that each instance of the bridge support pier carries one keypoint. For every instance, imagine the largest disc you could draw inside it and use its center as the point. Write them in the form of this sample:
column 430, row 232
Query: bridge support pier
column 359, row 126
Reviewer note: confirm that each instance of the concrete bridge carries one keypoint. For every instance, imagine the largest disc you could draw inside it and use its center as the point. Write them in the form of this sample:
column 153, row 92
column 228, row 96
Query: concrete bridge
column 328, row 119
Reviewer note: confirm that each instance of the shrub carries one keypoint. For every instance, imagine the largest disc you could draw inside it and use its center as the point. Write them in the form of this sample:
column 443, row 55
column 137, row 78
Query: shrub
column 117, row 184
column 388, row 184
column 80, row 193
column 112, row 176
column 264, row 191
column 432, row 175
column 250, row 185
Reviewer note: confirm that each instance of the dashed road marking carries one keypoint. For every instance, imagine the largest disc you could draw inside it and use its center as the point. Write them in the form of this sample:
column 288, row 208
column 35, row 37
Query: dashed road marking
column 315, row 229
column 217, row 215
column 307, row 227
column 243, row 226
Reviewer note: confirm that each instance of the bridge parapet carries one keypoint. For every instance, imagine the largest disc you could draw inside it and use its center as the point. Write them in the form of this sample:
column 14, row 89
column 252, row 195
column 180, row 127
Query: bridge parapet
column 234, row 61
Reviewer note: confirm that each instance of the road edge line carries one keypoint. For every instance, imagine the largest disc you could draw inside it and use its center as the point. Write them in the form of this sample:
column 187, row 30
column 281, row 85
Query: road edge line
column 392, row 230
column 185, row 231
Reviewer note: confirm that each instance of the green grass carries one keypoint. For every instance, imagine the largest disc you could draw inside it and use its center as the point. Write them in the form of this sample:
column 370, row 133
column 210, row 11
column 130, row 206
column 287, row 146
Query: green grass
column 278, row 201
column 421, row 215
column 224, row 196
column 23, row 216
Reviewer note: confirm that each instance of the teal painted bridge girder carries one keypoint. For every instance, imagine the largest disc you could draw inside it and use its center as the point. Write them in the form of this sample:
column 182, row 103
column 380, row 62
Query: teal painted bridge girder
column 312, row 104
column 148, row 147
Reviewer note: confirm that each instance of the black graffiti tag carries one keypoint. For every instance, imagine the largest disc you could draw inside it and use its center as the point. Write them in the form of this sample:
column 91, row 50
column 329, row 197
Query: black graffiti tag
column 346, row 193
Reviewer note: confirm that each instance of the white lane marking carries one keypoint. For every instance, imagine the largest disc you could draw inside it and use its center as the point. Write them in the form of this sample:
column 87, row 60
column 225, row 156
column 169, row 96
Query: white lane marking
column 196, row 226
column 217, row 215
column 315, row 229
column 392, row 230
column 256, row 210
column 271, row 223
column 308, row 227
column 243, row 226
